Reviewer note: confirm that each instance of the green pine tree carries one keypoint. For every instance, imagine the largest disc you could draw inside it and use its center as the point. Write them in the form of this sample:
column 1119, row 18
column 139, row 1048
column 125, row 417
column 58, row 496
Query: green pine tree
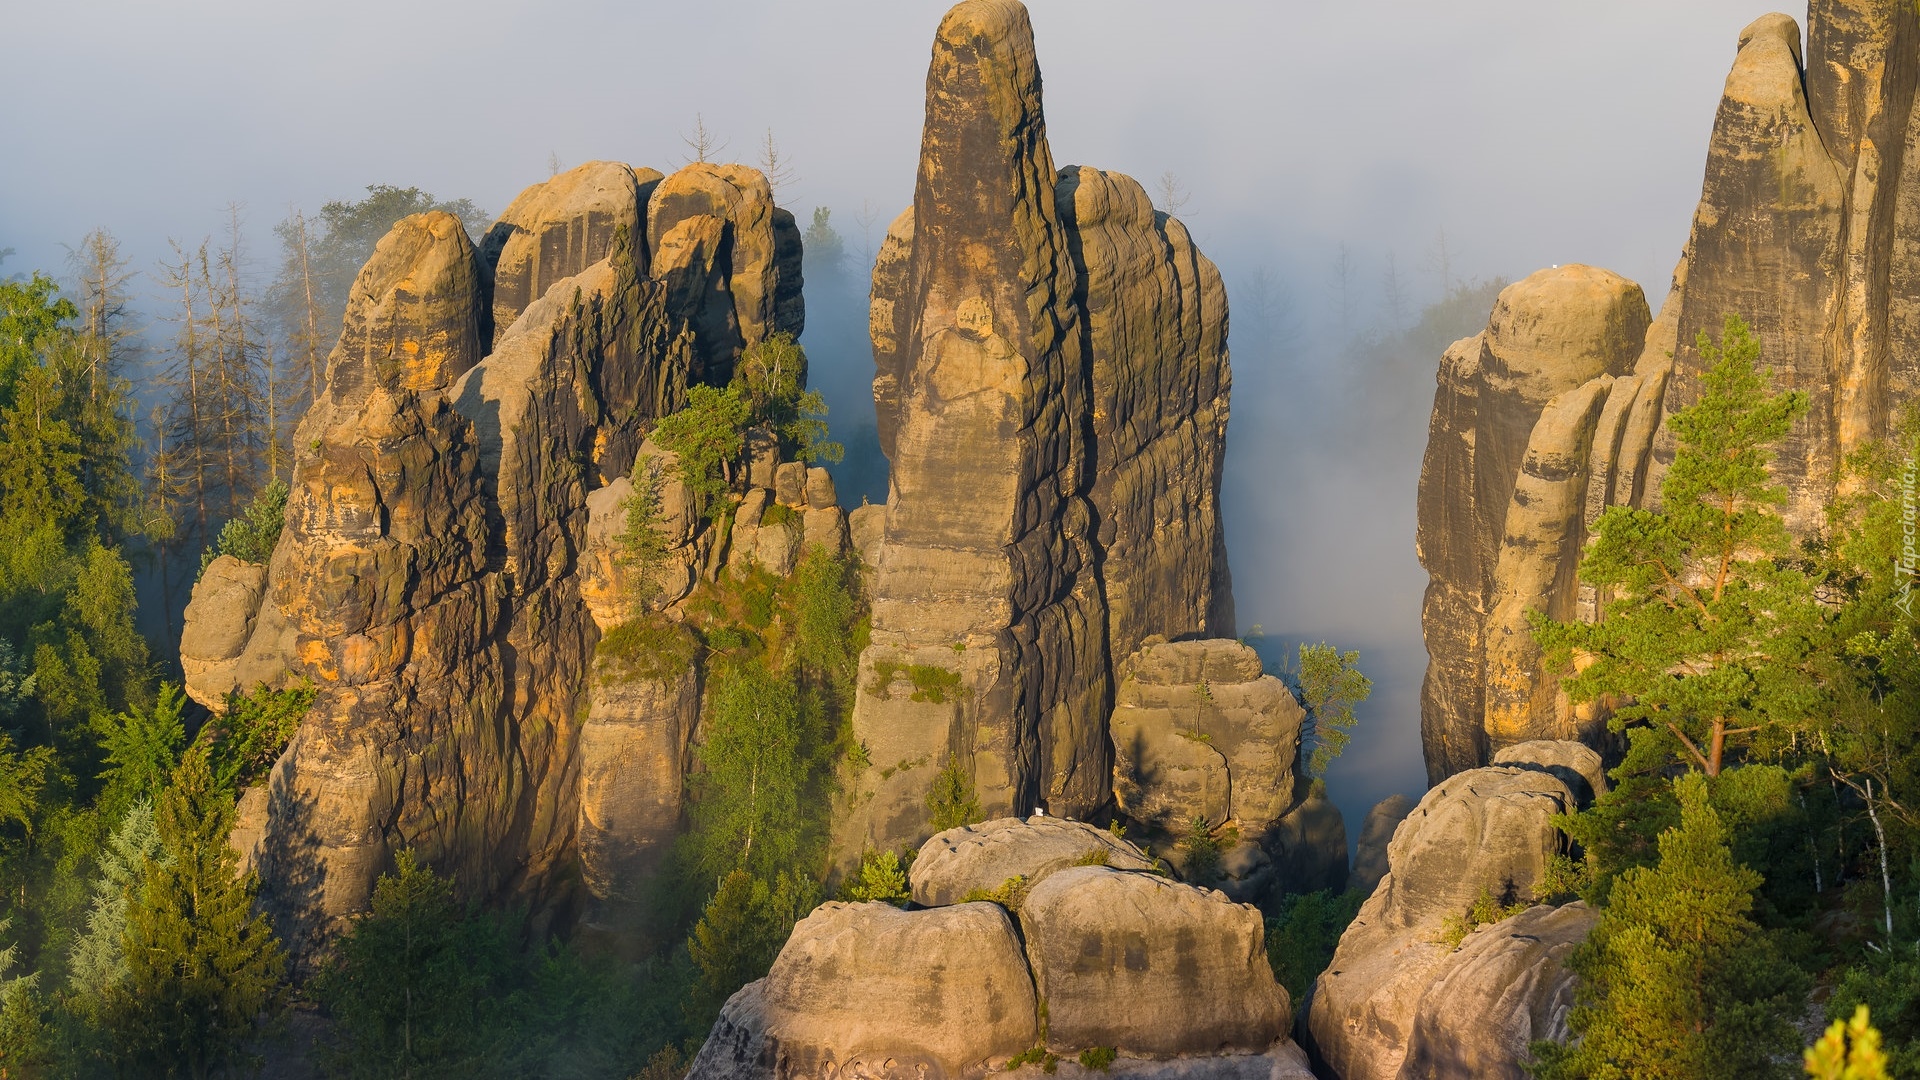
column 414, row 984
column 203, row 969
column 1677, row 982
column 99, row 960
column 1707, row 627
column 1331, row 687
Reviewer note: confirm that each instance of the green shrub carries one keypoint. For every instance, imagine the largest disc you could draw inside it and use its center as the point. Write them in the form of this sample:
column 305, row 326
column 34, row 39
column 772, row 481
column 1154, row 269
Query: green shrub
column 934, row 684
column 779, row 514
column 1485, row 911
column 1301, row 940
column 1097, row 1058
column 252, row 536
column 882, row 876
column 951, row 800
column 1202, row 850
column 244, row 742
column 1010, row 894
column 1099, row 856
column 650, row 647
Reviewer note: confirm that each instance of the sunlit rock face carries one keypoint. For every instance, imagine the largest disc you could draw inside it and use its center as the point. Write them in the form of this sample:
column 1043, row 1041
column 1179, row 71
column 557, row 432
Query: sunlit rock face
column 1051, row 387
column 1528, row 444
column 1086, row 952
column 442, row 580
column 1808, row 228
column 1398, row 1000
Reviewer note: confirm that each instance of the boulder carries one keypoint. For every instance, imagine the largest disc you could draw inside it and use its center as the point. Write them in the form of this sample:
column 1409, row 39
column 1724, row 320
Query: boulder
column 557, row 228
column 820, row 493
column 1200, row 731
column 982, row 857
column 870, row 990
column 219, row 623
column 790, row 484
column 1485, row 830
column 1506, row 987
column 826, row 528
column 1578, row 765
column 866, row 528
column 1370, row 857
column 1116, row 955
column 634, row 748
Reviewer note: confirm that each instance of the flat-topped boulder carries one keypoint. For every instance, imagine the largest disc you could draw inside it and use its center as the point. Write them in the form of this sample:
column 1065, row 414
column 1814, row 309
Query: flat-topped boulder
column 982, row 857
column 1149, row 966
column 870, row 990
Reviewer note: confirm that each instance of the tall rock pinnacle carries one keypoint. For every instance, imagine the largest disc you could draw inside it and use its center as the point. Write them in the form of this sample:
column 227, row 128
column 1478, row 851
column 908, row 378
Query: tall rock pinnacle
column 1051, row 387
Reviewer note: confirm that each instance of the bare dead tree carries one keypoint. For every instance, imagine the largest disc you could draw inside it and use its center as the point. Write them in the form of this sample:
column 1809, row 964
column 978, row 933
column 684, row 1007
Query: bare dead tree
column 777, row 167
column 701, row 141
column 106, row 331
column 1173, row 195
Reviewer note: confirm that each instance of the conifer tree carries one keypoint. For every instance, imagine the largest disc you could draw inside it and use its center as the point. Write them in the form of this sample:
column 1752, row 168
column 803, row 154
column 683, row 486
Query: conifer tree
column 202, row 967
column 1707, row 626
column 99, row 960
column 1677, row 982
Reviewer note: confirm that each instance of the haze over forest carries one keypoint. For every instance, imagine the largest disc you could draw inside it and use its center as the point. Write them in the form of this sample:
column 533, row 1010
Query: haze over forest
column 1530, row 134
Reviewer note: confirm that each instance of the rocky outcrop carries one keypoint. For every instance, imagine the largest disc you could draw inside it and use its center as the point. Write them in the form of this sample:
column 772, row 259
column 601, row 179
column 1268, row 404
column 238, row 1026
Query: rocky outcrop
column 445, row 573
column 556, row 229
column 981, row 858
column 1808, row 228
column 1506, row 987
column 1174, row 979
column 1199, row 730
column 1578, row 766
column 870, row 990
column 1050, row 382
column 1486, row 830
column 1376, row 832
column 1529, row 415
column 1154, row 315
column 1117, row 955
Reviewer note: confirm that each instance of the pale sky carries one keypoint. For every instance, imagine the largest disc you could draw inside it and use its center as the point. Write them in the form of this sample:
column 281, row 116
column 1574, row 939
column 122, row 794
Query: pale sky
column 1532, row 131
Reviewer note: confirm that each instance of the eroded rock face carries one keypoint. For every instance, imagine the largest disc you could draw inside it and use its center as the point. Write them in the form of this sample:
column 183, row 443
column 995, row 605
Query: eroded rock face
column 1200, row 731
column 445, row 575
column 1504, row 495
column 1051, row 385
column 1485, row 829
column 1506, row 987
column 1155, row 319
column 983, row 857
column 556, row 229
column 1808, row 228
column 1117, row 956
column 871, row 990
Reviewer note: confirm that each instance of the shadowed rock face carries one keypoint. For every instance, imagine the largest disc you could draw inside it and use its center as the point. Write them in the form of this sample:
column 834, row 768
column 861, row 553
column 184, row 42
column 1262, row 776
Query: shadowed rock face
column 429, row 581
column 1051, row 387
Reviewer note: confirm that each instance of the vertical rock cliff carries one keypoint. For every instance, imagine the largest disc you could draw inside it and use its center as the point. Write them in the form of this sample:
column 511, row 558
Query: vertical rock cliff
column 1806, row 228
column 436, row 581
column 1051, row 388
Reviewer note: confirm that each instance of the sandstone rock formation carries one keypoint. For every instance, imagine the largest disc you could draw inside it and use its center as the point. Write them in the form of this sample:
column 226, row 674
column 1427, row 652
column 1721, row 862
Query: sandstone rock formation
column 443, row 579
column 870, row 990
column 982, row 857
column 1172, row 978
column 1118, row 956
column 1370, row 855
column 1200, row 731
column 1051, row 387
column 1529, row 415
column 1578, row 766
column 1507, row 986
column 1486, row 829
column 1808, row 227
